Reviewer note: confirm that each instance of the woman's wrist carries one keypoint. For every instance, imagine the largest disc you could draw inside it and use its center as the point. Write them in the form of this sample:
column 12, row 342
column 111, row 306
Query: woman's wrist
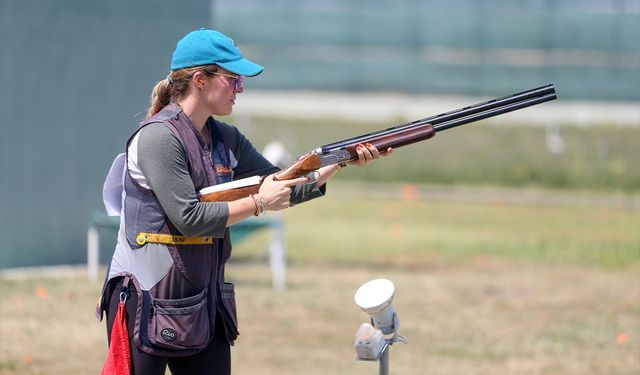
column 259, row 203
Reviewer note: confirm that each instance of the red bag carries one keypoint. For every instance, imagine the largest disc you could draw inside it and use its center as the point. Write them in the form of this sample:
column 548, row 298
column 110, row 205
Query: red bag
column 119, row 357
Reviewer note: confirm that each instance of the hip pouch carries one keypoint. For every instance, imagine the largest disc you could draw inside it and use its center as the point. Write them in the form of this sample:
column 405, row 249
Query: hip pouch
column 180, row 325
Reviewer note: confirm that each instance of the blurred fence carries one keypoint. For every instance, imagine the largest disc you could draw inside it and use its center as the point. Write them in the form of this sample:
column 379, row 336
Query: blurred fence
column 76, row 77
column 589, row 48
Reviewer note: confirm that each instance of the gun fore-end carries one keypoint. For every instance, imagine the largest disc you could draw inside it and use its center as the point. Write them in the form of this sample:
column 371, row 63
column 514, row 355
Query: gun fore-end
column 231, row 194
column 398, row 139
column 307, row 164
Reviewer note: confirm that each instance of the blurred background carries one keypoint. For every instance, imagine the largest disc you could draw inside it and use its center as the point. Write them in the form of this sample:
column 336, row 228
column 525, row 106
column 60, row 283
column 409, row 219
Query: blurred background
column 76, row 78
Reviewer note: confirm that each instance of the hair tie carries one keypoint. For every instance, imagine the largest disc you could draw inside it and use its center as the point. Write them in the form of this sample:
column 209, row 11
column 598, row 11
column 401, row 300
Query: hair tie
column 170, row 79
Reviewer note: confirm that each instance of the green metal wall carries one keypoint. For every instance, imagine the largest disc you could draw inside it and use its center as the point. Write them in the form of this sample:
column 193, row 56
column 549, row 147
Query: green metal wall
column 589, row 48
column 75, row 78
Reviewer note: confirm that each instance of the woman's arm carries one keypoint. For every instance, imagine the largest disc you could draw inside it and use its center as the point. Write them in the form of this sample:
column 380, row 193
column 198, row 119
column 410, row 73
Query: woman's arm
column 163, row 162
column 280, row 191
column 273, row 196
column 250, row 162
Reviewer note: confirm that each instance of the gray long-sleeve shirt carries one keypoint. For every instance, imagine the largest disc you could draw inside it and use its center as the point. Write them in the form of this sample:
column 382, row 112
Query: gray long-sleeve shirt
column 163, row 162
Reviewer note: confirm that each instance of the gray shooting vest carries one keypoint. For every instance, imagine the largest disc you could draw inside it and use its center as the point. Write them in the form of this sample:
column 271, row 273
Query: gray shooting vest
column 180, row 287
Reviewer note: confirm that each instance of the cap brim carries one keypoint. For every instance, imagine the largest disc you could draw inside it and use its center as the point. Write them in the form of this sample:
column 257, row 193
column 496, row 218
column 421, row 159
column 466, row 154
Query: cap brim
column 242, row 67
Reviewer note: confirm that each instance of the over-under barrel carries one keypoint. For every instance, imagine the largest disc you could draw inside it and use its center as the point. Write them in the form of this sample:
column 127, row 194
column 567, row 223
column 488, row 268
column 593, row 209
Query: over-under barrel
column 461, row 116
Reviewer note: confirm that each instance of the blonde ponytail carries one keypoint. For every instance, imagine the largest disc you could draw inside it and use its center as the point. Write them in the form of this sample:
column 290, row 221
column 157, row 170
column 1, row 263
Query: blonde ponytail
column 160, row 97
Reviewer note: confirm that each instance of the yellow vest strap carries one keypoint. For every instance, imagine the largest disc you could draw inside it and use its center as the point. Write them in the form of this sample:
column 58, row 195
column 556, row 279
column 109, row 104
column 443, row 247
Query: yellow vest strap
column 171, row 239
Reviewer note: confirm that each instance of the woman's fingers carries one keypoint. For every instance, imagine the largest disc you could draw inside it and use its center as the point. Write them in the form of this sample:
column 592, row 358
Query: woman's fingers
column 278, row 193
column 366, row 153
column 373, row 150
column 296, row 181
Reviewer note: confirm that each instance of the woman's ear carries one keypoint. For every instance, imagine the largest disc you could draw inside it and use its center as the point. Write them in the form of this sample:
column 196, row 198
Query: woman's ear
column 199, row 79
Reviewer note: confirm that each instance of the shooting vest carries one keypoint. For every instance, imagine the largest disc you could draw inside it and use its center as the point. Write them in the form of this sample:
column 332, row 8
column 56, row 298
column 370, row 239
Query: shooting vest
column 179, row 280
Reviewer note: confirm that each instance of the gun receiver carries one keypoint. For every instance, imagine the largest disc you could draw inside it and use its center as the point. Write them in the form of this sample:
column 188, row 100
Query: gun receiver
column 395, row 137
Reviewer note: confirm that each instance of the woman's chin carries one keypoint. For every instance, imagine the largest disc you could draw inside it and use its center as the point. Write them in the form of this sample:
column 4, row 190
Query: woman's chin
column 224, row 112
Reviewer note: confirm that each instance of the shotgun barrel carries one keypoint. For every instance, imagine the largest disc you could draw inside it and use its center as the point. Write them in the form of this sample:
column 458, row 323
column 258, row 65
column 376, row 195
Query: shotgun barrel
column 493, row 112
column 461, row 116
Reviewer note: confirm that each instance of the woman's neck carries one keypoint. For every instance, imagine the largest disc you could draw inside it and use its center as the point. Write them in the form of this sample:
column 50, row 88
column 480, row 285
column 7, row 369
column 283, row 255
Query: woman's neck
column 196, row 114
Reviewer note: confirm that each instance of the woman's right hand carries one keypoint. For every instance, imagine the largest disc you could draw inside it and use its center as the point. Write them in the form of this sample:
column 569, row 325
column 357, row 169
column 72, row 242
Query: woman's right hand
column 277, row 194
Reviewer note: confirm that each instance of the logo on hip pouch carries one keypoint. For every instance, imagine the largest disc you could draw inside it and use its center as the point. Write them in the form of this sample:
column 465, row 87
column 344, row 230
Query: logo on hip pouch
column 168, row 334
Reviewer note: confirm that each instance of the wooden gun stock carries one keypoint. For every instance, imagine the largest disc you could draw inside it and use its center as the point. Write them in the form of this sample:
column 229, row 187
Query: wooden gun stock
column 305, row 165
column 231, row 194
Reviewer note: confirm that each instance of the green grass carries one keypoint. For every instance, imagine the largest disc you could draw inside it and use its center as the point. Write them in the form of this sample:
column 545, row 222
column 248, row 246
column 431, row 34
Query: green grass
column 482, row 319
column 434, row 225
column 596, row 157
column 488, row 280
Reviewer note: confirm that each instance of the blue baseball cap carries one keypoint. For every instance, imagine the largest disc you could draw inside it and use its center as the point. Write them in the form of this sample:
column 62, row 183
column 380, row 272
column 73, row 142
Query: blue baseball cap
column 207, row 47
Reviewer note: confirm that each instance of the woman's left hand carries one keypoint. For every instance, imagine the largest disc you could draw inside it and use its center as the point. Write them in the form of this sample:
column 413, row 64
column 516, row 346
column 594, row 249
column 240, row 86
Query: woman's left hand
column 368, row 152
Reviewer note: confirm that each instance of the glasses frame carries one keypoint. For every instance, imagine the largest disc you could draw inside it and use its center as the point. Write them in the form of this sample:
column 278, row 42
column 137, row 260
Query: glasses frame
column 239, row 79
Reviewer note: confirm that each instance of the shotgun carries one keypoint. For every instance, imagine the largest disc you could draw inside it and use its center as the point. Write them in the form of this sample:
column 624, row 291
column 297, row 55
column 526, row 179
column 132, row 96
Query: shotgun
column 394, row 137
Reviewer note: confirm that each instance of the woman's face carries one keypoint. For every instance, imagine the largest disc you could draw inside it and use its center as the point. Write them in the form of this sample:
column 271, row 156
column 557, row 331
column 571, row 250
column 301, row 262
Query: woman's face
column 219, row 93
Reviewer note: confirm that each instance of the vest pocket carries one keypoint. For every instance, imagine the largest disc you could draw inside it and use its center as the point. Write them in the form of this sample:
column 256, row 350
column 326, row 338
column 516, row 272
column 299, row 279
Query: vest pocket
column 180, row 323
column 229, row 314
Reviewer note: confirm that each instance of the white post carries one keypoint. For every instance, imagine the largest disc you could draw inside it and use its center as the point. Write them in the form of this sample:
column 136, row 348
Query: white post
column 384, row 361
column 93, row 251
column 277, row 253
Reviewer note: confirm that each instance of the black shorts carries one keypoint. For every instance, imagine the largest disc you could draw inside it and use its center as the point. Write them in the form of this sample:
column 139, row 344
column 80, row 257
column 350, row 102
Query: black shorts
column 215, row 359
